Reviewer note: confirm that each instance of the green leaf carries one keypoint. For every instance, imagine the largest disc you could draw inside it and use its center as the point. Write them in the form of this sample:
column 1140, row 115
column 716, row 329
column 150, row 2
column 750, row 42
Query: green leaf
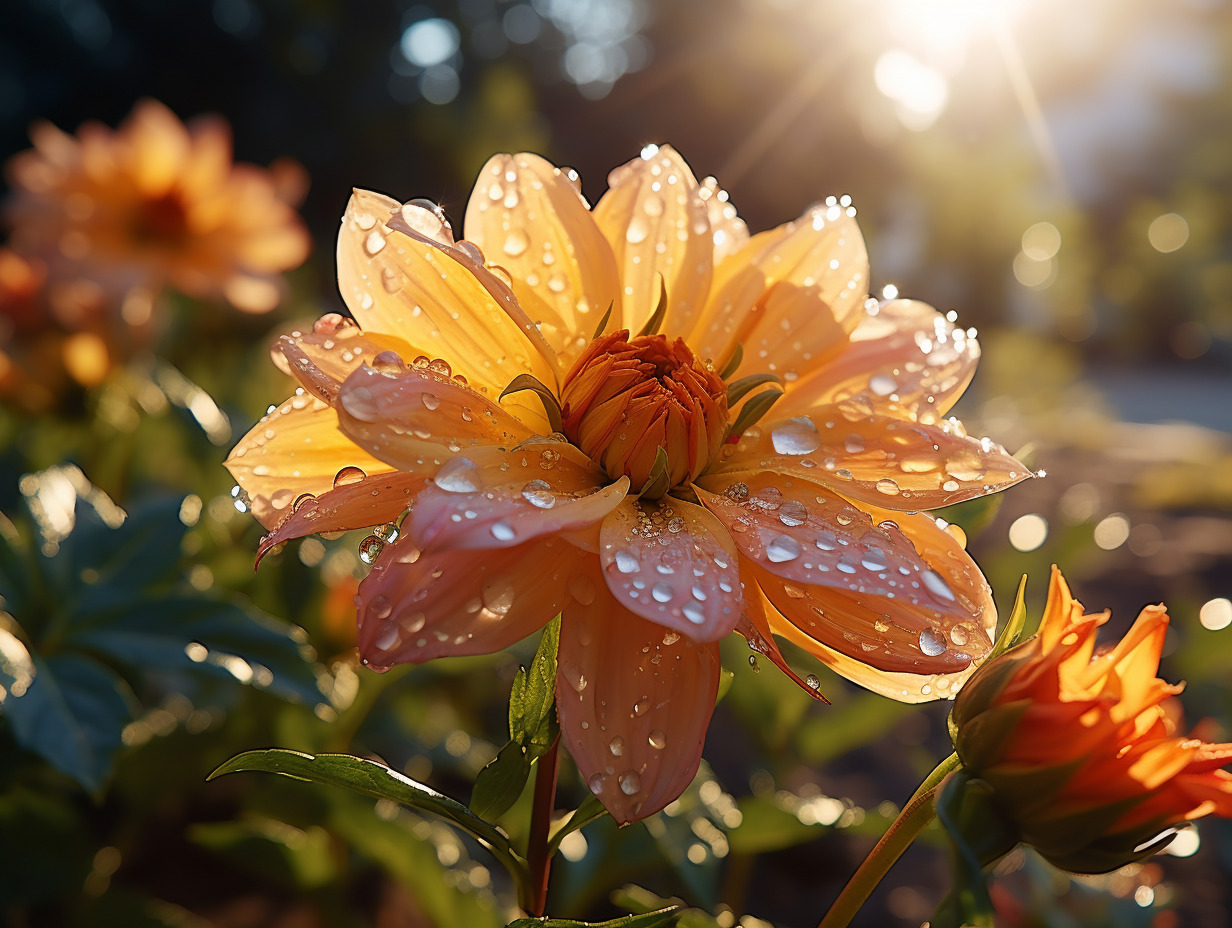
column 752, row 411
column 654, row 919
column 603, row 322
column 978, row 836
column 1012, row 631
column 551, row 405
column 658, row 482
column 733, row 363
column 500, row 783
column 376, row 780
column 140, row 552
column 655, row 322
column 287, row 855
column 197, row 635
column 589, row 811
column 738, row 390
column 72, row 714
column 532, row 699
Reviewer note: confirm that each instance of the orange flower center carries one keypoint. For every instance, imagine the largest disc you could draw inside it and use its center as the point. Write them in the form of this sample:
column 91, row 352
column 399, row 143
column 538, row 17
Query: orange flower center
column 162, row 218
column 646, row 408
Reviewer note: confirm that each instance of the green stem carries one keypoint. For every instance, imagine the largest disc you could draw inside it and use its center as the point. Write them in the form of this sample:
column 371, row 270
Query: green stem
column 538, row 851
column 916, row 814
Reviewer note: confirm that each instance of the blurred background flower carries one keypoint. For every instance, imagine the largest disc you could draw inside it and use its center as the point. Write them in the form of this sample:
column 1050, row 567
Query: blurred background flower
column 1058, row 173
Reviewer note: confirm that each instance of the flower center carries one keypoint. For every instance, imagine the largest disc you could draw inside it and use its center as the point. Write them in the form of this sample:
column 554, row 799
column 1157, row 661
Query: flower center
column 162, row 218
column 646, row 408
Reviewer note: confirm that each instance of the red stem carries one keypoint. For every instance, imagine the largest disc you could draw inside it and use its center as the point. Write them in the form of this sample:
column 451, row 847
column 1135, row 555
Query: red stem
column 538, row 857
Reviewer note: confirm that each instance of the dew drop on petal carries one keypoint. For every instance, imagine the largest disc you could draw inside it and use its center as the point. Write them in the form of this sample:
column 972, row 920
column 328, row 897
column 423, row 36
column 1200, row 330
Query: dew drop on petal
column 793, row 513
column 931, row 643
column 888, row 486
column 430, row 401
column 796, row 436
column 516, row 242
column 348, row 476
column 854, row 443
column 626, row 561
column 936, row 585
column 596, row 782
column 370, row 549
column 782, row 548
column 812, row 682
column 694, row 613
column 882, row 384
column 539, row 494
column 662, row 592
column 657, row 740
column 502, row 531
column 630, row 783
column 737, row 492
column 457, row 475
column 616, row 746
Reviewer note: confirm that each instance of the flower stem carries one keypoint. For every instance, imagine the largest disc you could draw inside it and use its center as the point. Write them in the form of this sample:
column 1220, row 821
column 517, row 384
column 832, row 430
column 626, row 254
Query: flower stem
column 538, row 853
column 916, row 814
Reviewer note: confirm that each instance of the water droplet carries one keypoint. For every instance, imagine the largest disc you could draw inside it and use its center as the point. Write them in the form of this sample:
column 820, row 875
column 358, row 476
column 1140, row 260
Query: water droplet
column 694, row 613
column 882, row 384
column 796, row 436
column 662, row 592
column 737, row 492
column 516, row 243
column 539, row 494
column 793, row 513
column 931, row 643
column 616, row 746
column 936, row 585
column 370, row 549
column 626, row 561
column 950, row 486
column 959, row 635
column 389, row 363
column 653, row 206
column 888, row 486
column 557, row 283
column 657, row 740
column 782, row 548
column 812, row 682
column 374, row 242
column 240, row 499
column 457, row 475
column 348, row 476
column 637, row 231
column 874, row 560
column 753, row 663
column 502, row 531
column 854, row 443
column 596, row 782
column 630, row 783
column 380, row 607
column 582, row 589
column 675, row 525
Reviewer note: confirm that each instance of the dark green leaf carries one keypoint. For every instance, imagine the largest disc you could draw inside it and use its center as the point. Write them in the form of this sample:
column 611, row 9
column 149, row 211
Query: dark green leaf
column 978, row 836
column 372, row 779
column 738, row 390
column 603, row 322
column 551, row 405
column 590, row 810
column 655, row 322
column 733, row 363
column 532, row 699
column 646, row 920
column 753, row 409
column 72, row 714
column 500, row 783
column 659, row 481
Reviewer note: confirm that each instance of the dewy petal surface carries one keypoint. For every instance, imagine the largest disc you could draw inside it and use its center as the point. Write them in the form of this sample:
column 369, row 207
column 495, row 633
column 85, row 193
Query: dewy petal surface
column 673, row 563
column 656, row 222
column 634, row 698
column 322, row 359
column 415, row 419
column 895, row 463
column 412, row 288
column 415, row 606
column 904, row 359
column 815, row 281
column 529, row 217
column 293, row 450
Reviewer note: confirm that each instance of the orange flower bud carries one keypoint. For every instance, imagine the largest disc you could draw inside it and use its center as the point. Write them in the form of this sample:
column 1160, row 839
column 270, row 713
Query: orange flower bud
column 627, row 398
column 1081, row 750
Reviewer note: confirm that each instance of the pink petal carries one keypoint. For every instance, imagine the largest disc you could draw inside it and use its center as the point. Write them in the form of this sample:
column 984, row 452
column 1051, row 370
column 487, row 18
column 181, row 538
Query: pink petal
column 673, row 563
column 294, row 450
column 877, row 459
column 801, row 532
column 416, row 606
column 904, row 359
column 814, row 283
column 322, row 359
column 656, row 222
column 400, row 282
column 369, row 501
column 421, row 417
column 634, row 700
column 498, row 499
column 529, row 217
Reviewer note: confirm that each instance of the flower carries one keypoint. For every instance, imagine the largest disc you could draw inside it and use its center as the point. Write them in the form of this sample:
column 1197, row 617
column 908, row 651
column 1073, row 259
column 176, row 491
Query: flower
column 518, row 458
column 1080, row 748
column 156, row 203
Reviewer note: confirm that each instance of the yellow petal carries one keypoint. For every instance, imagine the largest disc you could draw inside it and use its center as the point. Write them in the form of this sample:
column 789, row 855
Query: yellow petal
column 656, row 223
column 815, row 275
column 529, row 217
column 296, row 449
column 402, row 283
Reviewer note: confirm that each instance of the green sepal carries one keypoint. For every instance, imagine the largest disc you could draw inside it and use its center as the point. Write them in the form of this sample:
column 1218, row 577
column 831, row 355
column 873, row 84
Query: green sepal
column 659, row 481
column 733, row 363
column 551, row 405
column 590, row 810
column 979, row 835
column 603, row 322
column 739, row 389
column 752, row 411
column 655, row 322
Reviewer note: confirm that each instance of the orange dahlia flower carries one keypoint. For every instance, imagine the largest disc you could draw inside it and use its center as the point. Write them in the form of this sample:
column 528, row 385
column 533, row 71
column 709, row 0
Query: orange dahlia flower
column 1081, row 748
column 156, row 203
column 555, row 462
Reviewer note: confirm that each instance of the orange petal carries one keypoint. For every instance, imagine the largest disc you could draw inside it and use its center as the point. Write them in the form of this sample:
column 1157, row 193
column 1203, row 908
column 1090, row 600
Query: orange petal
column 404, row 284
column 754, row 626
column 727, row 229
column 801, row 532
column 366, row 502
column 414, row 607
column 295, row 449
column 418, row 418
column 465, row 506
column 656, row 223
column 673, row 563
column 904, row 358
column 877, row 459
column 529, row 217
column 815, row 277
column 322, row 359
column 158, row 146
column 634, row 700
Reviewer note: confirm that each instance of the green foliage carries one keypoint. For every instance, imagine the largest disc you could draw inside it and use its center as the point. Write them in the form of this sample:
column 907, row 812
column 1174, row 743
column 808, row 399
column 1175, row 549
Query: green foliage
column 99, row 620
column 657, row 919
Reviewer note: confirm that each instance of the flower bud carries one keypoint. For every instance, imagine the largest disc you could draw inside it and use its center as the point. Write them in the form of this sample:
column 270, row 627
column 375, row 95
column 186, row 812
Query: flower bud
column 627, row 398
column 1080, row 750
